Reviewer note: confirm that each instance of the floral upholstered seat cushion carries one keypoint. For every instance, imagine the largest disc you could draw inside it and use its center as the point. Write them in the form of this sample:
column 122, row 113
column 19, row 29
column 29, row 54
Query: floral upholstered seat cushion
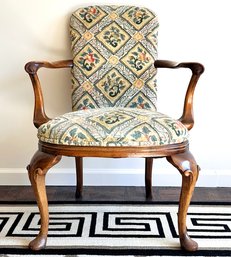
column 113, row 127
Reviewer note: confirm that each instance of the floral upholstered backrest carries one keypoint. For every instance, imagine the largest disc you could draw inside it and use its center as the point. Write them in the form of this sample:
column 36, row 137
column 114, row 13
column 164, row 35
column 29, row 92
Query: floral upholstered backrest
column 114, row 49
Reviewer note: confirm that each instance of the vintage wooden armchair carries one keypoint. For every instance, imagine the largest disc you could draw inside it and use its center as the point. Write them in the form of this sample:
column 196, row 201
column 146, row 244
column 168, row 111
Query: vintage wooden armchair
column 114, row 106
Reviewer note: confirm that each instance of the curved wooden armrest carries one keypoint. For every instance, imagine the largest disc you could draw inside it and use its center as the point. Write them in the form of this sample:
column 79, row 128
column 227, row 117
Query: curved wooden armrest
column 197, row 69
column 31, row 68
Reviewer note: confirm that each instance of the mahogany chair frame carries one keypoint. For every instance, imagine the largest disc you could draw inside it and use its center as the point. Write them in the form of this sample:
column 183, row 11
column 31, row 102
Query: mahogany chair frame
column 178, row 155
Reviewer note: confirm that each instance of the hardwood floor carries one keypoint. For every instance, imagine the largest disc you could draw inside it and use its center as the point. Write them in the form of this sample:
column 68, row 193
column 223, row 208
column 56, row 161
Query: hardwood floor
column 91, row 194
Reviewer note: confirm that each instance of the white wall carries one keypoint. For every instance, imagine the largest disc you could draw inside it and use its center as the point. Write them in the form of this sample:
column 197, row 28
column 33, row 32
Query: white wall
column 192, row 30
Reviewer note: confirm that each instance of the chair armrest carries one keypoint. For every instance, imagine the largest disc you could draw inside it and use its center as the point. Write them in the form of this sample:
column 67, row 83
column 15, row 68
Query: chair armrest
column 31, row 68
column 197, row 69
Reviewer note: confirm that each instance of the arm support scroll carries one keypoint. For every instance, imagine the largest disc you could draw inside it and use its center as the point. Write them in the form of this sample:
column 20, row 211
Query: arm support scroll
column 31, row 68
column 197, row 69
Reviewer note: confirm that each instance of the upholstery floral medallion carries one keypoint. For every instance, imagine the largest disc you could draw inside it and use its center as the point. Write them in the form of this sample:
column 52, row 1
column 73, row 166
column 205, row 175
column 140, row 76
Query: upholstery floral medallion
column 86, row 102
column 140, row 102
column 113, row 127
column 113, row 37
column 138, row 59
column 75, row 36
column 90, row 16
column 89, row 60
column 138, row 17
column 113, row 85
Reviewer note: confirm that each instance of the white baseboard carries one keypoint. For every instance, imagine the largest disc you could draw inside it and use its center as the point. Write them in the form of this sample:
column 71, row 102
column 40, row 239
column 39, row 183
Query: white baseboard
column 117, row 177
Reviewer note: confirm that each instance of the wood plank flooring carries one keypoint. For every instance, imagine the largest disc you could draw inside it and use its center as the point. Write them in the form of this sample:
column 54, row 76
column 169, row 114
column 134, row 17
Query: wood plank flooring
column 91, row 194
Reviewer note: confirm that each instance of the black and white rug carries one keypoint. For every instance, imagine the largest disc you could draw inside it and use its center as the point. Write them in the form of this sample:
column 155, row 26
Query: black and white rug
column 115, row 229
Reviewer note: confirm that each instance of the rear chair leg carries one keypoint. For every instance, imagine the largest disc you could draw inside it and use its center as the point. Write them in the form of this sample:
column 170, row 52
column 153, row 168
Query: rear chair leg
column 37, row 169
column 148, row 177
column 189, row 170
column 79, row 176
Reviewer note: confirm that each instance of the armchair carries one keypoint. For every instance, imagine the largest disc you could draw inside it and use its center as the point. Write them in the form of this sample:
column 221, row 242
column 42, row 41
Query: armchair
column 114, row 115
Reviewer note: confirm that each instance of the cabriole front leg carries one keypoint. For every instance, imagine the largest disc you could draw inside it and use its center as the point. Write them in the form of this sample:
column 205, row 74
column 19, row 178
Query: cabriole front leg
column 189, row 170
column 37, row 169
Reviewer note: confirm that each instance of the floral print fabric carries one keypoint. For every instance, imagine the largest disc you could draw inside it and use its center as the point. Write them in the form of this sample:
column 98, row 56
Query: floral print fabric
column 113, row 127
column 114, row 85
column 114, row 49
